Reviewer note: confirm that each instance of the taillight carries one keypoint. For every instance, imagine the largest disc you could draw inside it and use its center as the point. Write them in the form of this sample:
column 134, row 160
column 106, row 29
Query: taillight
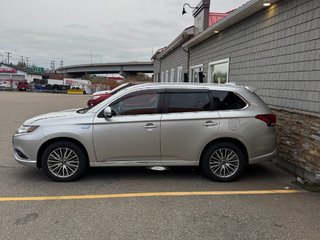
column 269, row 119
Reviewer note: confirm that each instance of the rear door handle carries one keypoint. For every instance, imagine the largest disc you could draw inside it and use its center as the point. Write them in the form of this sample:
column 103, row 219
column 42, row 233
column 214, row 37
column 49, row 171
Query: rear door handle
column 210, row 124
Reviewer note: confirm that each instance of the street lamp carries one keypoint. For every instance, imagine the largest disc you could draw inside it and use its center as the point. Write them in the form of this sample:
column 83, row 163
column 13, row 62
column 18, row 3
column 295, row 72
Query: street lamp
column 184, row 10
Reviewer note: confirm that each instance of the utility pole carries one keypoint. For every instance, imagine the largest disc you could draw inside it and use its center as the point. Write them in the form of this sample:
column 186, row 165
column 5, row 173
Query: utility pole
column 22, row 58
column 52, row 65
column 8, row 57
column 61, row 62
column 27, row 61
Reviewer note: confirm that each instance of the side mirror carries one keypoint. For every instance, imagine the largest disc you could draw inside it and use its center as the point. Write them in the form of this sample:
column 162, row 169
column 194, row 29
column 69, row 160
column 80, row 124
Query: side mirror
column 107, row 112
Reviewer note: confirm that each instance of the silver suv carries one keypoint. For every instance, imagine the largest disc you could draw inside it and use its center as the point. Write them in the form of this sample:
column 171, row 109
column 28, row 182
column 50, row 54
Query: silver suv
column 220, row 128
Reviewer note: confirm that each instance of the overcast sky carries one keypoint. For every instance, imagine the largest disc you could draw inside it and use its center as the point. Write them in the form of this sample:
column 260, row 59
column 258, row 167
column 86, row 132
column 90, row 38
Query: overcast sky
column 114, row 30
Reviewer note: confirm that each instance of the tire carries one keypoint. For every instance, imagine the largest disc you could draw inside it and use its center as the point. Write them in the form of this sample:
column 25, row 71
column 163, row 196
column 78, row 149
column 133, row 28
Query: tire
column 223, row 162
column 64, row 161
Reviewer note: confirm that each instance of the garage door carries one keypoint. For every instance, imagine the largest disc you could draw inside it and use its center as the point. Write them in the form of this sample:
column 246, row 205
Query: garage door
column 18, row 77
column 4, row 76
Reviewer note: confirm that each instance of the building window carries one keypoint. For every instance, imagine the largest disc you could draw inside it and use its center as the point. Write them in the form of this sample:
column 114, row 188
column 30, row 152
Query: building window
column 167, row 76
column 194, row 73
column 162, row 76
column 179, row 74
column 172, row 76
column 219, row 71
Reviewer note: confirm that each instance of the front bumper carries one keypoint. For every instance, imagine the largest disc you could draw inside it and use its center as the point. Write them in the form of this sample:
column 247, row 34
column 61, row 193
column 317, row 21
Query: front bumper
column 25, row 162
column 26, row 147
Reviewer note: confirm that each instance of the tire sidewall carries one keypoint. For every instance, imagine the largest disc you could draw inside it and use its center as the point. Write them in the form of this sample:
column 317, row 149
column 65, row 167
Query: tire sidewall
column 206, row 161
column 82, row 161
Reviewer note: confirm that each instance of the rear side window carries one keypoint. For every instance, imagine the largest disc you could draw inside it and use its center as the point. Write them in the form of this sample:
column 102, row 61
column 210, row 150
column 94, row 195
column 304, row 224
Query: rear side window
column 226, row 100
column 189, row 102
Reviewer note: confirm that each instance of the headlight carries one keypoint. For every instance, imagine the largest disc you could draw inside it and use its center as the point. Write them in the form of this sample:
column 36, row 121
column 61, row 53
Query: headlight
column 26, row 129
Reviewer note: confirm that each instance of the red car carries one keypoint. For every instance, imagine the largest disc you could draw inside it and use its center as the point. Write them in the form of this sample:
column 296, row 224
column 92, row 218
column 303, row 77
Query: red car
column 100, row 96
column 23, row 85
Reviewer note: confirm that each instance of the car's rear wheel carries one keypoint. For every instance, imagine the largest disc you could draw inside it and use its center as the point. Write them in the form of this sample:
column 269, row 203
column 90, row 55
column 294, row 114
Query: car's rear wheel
column 223, row 162
column 64, row 161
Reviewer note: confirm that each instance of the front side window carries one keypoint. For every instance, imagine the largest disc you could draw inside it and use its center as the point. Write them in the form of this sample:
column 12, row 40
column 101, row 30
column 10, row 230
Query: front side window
column 225, row 100
column 140, row 103
column 189, row 102
column 218, row 71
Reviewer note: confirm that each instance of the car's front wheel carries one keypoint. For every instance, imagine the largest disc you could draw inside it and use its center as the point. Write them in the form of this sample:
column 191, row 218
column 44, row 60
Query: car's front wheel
column 64, row 161
column 223, row 162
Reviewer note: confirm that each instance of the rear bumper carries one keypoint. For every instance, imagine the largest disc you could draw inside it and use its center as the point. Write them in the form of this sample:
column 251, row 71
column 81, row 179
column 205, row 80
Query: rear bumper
column 263, row 158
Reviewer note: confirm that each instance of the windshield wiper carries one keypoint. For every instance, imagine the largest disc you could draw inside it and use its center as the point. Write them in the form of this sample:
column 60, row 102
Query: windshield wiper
column 83, row 110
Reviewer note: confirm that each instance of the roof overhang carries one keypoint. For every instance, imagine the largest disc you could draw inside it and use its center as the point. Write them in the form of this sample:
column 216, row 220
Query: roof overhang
column 184, row 36
column 234, row 17
column 158, row 52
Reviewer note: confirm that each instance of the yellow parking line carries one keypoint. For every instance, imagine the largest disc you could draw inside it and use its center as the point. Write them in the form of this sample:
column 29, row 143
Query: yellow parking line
column 147, row 194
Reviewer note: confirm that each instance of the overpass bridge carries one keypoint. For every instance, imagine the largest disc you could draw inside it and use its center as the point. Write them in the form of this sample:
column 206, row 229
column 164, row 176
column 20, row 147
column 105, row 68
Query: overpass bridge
column 123, row 68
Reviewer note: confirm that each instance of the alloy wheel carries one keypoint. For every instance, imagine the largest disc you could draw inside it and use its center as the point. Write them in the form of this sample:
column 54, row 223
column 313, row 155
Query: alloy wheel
column 224, row 162
column 63, row 162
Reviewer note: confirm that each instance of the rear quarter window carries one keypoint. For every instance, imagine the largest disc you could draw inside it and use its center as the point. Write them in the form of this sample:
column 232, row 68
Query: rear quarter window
column 227, row 100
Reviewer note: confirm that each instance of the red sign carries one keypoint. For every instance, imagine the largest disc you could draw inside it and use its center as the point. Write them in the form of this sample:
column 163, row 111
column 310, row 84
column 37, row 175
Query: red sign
column 7, row 70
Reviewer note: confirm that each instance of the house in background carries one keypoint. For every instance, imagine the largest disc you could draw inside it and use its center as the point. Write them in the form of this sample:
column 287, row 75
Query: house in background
column 274, row 48
column 10, row 75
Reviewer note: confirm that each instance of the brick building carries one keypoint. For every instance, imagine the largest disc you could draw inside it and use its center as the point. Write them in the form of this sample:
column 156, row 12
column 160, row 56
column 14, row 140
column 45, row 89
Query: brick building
column 275, row 49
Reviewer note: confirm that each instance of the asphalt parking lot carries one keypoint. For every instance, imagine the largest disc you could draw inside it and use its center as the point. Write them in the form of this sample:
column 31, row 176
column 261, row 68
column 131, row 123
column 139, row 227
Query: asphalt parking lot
column 137, row 203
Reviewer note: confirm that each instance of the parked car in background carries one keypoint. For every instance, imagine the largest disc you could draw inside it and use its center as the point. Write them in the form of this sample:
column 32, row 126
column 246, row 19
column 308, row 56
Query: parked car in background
column 101, row 92
column 220, row 128
column 98, row 97
column 23, row 85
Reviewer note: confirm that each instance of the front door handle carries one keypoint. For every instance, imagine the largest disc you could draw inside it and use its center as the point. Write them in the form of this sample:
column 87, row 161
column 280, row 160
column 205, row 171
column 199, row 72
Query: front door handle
column 150, row 126
column 210, row 124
